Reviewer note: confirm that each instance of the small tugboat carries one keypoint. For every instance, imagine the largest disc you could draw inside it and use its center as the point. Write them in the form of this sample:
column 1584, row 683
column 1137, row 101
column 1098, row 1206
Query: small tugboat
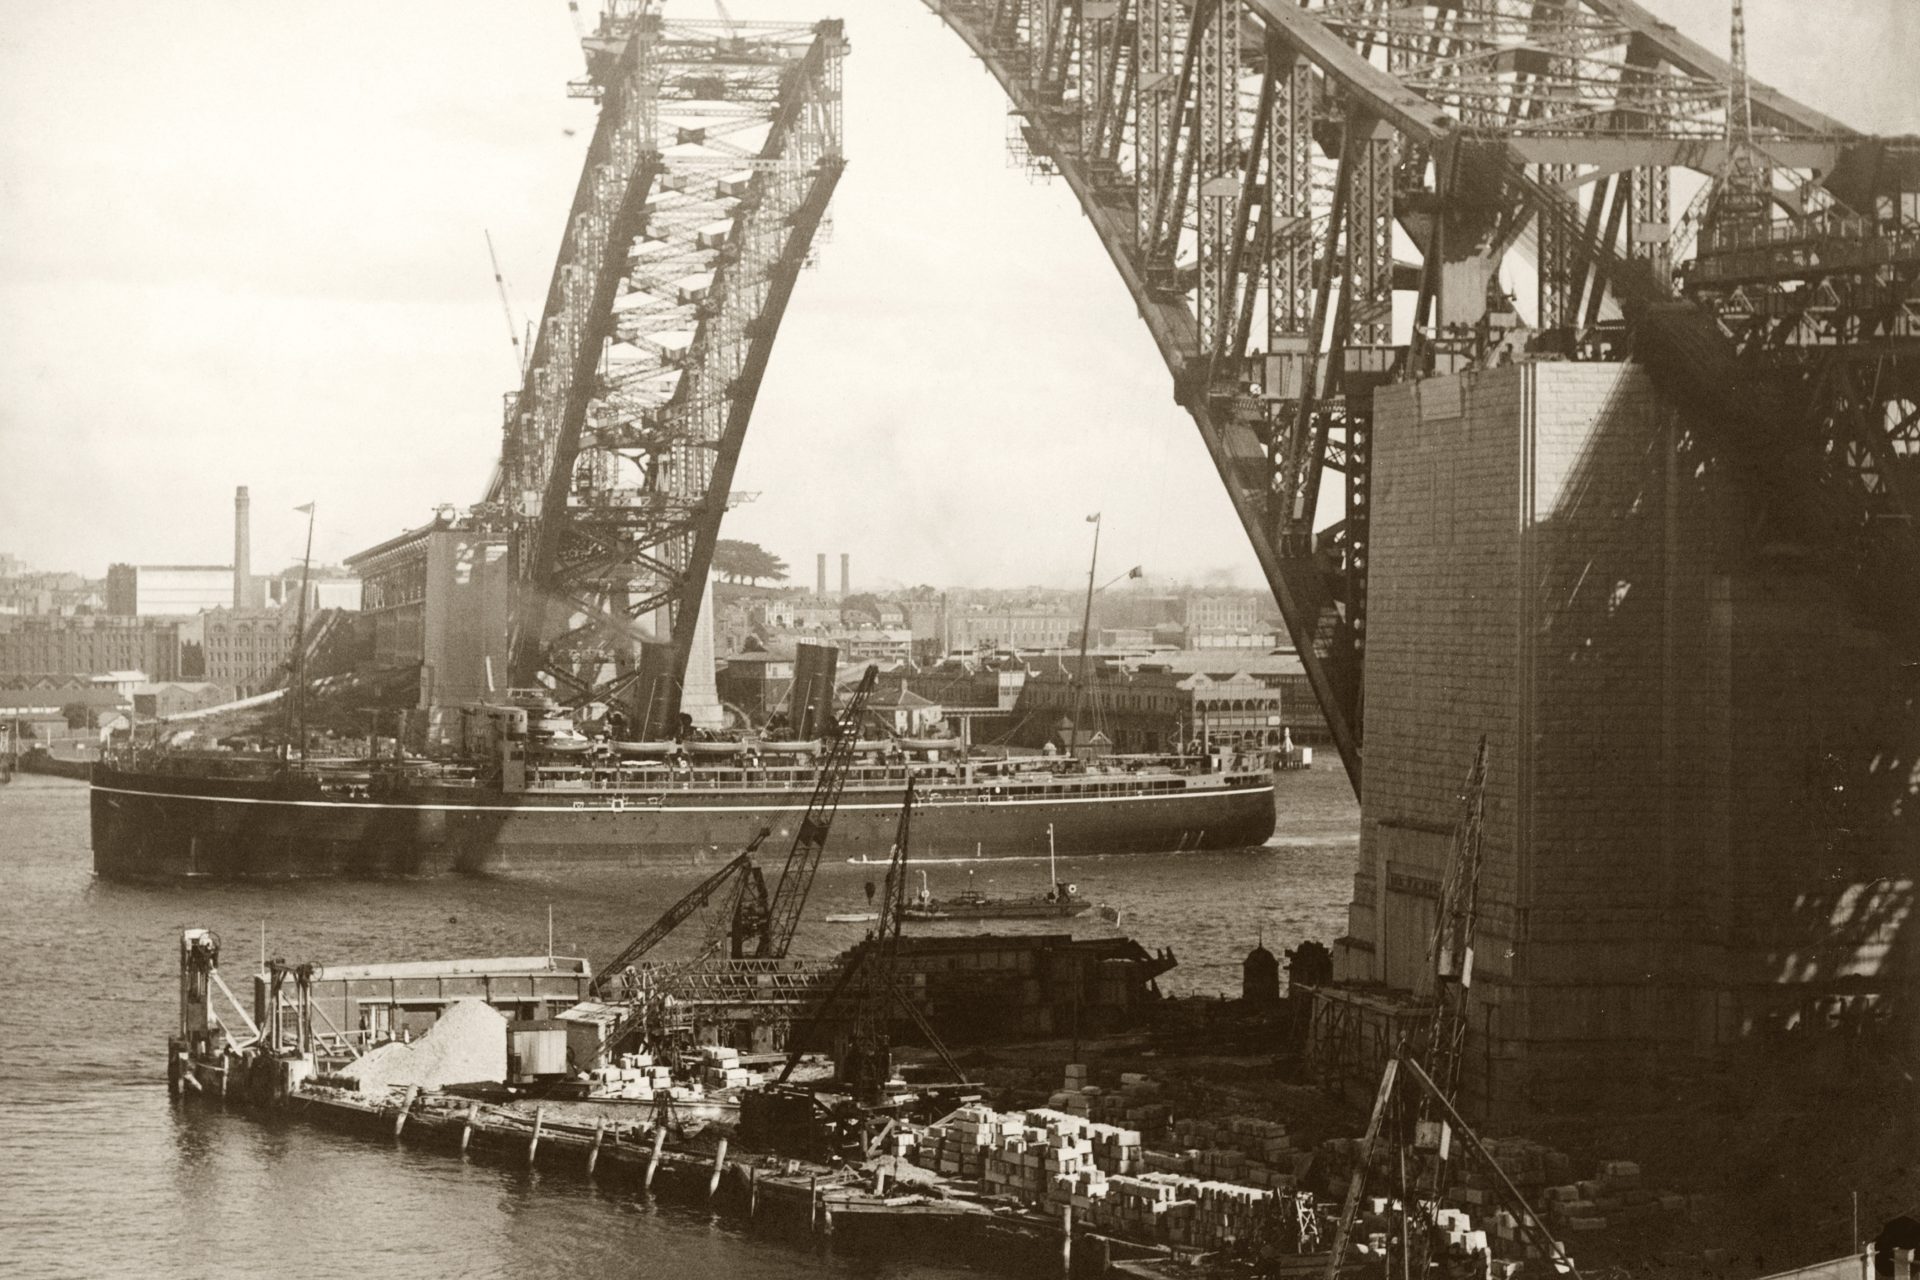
column 1062, row 899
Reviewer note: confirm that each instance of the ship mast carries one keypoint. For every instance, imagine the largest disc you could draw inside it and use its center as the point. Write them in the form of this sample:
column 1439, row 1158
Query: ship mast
column 298, row 709
column 1086, row 627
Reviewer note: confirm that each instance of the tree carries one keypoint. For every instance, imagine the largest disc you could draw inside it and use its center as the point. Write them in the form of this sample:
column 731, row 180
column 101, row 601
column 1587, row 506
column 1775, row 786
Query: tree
column 861, row 608
column 736, row 561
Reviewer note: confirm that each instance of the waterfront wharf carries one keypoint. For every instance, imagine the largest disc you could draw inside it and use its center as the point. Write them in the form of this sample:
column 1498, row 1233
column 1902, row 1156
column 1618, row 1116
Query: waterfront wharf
column 880, row 1205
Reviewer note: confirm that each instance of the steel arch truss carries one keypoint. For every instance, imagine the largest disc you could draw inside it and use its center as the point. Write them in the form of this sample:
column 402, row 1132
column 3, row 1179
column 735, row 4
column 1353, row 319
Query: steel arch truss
column 1308, row 201
column 716, row 151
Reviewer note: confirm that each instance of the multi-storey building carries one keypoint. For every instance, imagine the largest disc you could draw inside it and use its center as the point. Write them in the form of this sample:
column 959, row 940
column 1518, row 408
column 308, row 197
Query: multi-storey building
column 248, row 649
column 1010, row 628
column 27, row 592
column 801, row 612
column 55, row 645
column 168, row 590
column 1221, row 613
column 1151, row 708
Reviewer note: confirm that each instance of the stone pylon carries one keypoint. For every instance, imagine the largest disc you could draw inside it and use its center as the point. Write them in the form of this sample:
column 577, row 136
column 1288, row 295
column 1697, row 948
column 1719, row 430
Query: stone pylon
column 698, row 696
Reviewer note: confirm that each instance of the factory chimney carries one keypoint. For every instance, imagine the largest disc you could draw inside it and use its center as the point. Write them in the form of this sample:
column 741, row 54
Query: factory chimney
column 242, row 550
column 846, row 588
column 820, row 574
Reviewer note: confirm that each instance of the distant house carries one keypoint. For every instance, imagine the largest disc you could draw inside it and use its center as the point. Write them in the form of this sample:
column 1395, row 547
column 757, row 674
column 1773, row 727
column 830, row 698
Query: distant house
column 797, row 612
column 157, row 701
column 906, row 712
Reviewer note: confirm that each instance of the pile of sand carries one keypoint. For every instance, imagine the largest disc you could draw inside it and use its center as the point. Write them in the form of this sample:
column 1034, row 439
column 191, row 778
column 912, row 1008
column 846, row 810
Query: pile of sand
column 467, row 1045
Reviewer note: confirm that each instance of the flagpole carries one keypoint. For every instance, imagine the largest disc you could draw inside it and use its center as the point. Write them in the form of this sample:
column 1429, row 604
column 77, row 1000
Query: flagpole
column 1086, row 626
column 300, row 644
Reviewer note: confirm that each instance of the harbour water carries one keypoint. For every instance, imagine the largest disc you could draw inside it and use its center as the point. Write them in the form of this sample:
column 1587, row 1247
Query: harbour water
column 102, row 1176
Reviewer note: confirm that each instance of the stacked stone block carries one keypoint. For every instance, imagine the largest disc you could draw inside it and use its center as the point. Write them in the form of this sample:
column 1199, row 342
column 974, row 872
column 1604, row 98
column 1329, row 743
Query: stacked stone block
column 1133, row 1104
column 720, row 1068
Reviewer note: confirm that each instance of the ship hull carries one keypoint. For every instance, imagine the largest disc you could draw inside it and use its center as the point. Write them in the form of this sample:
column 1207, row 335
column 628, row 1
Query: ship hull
column 1005, row 911
column 160, row 827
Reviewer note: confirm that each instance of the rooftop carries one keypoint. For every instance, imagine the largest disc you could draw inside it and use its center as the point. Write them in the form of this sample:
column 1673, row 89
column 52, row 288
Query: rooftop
column 496, row 966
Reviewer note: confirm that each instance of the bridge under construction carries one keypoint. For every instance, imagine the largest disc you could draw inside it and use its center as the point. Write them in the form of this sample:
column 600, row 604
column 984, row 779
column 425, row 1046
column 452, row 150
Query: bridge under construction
column 1646, row 528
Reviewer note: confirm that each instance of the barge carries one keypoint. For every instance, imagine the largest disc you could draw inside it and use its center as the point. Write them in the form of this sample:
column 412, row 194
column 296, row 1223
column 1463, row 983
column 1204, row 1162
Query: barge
column 527, row 790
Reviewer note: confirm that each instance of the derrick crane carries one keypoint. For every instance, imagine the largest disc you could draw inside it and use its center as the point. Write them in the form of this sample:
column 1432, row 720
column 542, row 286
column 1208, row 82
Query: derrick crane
column 748, row 916
column 1451, row 949
column 676, row 915
column 865, row 1061
column 749, row 923
column 1423, row 1168
column 808, row 842
column 868, row 1059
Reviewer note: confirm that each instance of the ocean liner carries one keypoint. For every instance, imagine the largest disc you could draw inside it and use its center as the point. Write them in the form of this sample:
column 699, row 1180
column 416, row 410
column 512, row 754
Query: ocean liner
column 529, row 788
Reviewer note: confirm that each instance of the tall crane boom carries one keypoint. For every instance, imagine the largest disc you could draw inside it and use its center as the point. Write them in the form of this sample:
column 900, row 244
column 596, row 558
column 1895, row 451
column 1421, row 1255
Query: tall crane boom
column 808, row 842
column 1423, row 1169
column 1455, row 922
column 868, row 1059
column 676, row 915
column 865, row 1058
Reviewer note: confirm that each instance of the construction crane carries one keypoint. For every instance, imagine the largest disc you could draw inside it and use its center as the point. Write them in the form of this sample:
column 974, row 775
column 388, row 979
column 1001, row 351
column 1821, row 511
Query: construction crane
column 803, row 860
column 506, row 308
column 676, row 915
column 870, row 985
column 1451, row 950
column 748, row 917
column 1423, row 1124
column 867, row 1061
column 749, row 922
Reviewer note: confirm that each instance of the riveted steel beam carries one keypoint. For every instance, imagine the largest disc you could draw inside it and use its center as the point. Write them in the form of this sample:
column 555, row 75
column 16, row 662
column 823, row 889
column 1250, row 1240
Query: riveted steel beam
column 716, row 150
column 1467, row 123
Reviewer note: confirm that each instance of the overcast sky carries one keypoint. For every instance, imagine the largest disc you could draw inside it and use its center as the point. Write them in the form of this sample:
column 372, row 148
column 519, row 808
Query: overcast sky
column 243, row 244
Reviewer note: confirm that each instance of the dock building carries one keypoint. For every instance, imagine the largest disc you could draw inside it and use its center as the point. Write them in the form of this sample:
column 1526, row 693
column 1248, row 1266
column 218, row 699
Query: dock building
column 1149, row 708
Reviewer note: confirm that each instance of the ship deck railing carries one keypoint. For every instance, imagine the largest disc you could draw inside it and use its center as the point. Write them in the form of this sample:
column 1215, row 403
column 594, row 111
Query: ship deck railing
column 1131, row 771
column 942, row 782
column 934, row 789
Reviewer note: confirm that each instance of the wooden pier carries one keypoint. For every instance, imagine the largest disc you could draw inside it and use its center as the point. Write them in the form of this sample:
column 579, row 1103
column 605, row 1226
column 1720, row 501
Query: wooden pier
column 844, row 1207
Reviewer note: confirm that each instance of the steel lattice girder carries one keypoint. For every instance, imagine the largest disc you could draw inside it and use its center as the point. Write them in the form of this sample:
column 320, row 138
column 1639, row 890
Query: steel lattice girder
column 717, row 148
column 1261, row 155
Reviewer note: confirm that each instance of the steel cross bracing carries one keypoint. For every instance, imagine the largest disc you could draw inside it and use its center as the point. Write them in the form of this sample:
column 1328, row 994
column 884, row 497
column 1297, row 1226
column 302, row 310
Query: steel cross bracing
column 1308, row 200
column 717, row 148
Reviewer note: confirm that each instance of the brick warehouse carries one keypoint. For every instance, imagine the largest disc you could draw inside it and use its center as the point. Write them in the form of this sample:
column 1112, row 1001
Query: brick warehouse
column 1699, row 826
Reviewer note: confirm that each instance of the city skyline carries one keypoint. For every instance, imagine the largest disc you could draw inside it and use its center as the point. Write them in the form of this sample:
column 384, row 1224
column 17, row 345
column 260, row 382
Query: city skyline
column 798, row 578
column 287, row 287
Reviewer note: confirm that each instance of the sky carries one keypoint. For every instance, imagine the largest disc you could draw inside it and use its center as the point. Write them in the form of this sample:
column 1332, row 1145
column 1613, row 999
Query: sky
column 246, row 244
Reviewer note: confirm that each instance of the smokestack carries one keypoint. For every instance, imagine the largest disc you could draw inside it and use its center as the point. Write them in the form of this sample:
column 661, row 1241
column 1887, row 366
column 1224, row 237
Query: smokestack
column 845, row 588
column 820, row 574
column 242, row 550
